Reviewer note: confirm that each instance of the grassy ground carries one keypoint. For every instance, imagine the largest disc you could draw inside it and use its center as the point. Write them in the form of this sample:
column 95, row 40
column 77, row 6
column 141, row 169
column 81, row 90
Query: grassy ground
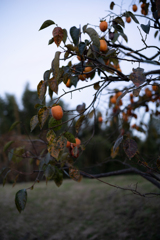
column 86, row 210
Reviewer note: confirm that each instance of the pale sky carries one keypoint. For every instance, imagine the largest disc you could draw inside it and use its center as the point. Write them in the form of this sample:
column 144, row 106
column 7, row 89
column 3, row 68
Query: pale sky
column 25, row 53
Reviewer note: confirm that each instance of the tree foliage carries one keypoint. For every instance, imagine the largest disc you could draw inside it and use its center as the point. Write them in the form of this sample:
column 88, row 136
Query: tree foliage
column 83, row 54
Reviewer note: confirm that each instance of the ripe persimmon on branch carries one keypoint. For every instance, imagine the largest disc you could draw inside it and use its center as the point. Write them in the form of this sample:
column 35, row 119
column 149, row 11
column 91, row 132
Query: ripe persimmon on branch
column 100, row 56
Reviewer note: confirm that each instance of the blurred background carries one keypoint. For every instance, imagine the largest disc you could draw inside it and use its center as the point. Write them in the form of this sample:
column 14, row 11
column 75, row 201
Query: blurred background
column 89, row 209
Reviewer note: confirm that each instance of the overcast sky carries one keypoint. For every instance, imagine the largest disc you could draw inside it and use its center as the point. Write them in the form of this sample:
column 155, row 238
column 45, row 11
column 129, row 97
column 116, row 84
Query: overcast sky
column 25, row 53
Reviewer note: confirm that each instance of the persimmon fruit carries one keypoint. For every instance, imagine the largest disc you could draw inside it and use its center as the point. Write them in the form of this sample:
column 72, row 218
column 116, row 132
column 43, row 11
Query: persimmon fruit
column 87, row 69
column 100, row 119
column 134, row 8
column 128, row 19
column 103, row 45
column 155, row 88
column 113, row 100
column 57, row 112
column 118, row 94
column 103, row 26
column 68, row 84
column 68, row 144
column 77, row 143
column 148, row 92
column 82, row 77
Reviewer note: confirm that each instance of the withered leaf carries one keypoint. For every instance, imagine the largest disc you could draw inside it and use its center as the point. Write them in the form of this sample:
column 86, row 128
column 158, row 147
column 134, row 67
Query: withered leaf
column 130, row 147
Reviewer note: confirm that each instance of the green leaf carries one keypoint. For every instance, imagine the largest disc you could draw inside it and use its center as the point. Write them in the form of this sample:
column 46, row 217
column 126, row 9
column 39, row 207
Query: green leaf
column 14, row 125
column 47, row 23
column 41, row 89
column 94, row 36
column 33, row 122
column 51, row 41
column 21, row 199
column 49, row 172
column 151, row 62
column 112, row 5
column 43, row 115
column 46, row 75
column 133, row 17
column 81, row 47
column 58, row 179
column 84, row 28
column 10, row 154
column 116, row 35
column 7, row 145
column 53, row 123
column 74, row 80
column 17, row 155
column 70, row 137
column 110, row 52
column 15, row 180
column 5, row 177
column 124, row 36
column 64, row 35
column 155, row 34
column 118, row 28
column 146, row 28
column 119, row 20
column 75, row 33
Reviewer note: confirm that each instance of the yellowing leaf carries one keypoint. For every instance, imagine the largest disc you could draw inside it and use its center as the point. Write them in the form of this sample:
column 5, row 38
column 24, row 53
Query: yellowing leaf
column 53, row 85
column 114, row 153
column 50, row 136
column 75, row 174
column 7, row 145
column 33, row 122
column 43, row 114
column 55, row 65
column 79, row 123
column 55, row 147
column 41, row 89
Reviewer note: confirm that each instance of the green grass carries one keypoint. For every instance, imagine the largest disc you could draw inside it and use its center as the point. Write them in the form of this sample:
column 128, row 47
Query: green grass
column 86, row 210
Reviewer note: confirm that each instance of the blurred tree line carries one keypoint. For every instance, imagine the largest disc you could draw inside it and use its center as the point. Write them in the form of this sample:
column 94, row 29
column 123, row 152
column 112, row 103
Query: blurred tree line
column 97, row 156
